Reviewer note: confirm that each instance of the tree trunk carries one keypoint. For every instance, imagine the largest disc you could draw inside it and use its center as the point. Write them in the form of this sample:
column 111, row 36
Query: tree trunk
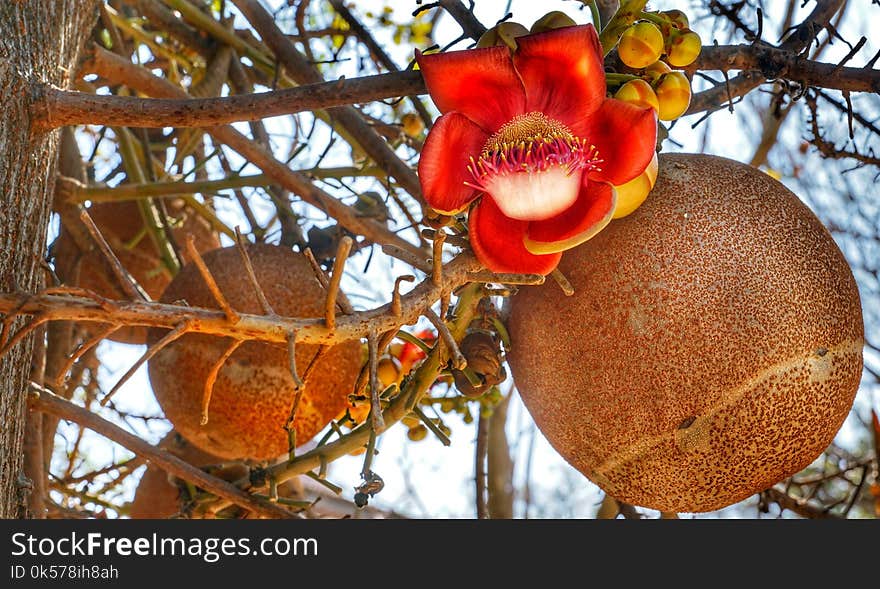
column 39, row 43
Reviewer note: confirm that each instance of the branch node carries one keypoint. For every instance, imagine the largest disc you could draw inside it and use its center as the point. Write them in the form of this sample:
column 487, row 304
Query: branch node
column 396, row 308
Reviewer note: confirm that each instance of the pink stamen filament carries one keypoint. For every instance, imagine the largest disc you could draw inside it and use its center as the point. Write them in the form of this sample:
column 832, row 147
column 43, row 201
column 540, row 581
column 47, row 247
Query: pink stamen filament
column 533, row 156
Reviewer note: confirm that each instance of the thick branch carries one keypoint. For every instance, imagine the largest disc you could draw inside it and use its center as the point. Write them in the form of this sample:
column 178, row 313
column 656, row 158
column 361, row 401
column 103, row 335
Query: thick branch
column 56, row 108
column 249, row 327
column 775, row 63
column 44, row 400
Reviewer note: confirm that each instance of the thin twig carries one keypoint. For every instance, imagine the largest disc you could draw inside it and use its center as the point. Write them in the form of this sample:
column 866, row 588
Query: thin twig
column 342, row 252
column 314, row 361
column 469, row 23
column 82, row 349
column 298, row 383
column 151, row 351
column 126, row 281
column 488, row 277
column 801, row 508
column 252, row 276
column 458, row 359
column 196, row 257
column 395, row 295
column 413, row 260
column 444, row 439
column 454, row 240
column 23, row 332
column 341, row 298
column 562, row 281
column 212, row 377
column 437, row 259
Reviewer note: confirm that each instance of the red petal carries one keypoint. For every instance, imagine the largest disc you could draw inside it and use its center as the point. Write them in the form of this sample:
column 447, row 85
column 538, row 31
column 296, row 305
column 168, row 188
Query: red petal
column 626, row 137
column 479, row 83
column 563, row 73
column 450, row 144
column 498, row 242
column 590, row 213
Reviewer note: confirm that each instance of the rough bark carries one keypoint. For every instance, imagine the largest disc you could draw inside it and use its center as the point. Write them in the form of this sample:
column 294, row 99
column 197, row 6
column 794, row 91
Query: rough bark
column 39, row 43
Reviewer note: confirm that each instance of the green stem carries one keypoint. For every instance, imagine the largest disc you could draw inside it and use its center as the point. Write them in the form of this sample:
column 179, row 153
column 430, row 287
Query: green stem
column 619, row 79
column 408, row 337
column 152, row 220
column 444, row 439
column 335, row 488
column 654, row 18
column 208, row 215
column 594, row 13
column 138, row 191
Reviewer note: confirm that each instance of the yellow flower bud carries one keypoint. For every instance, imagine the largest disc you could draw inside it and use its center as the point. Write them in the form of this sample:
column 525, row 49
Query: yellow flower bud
column 656, row 70
column 412, row 124
column 674, row 95
column 631, row 195
column 411, row 420
column 678, row 19
column 640, row 45
column 684, row 47
column 640, row 93
column 552, row 20
column 417, row 433
column 504, row 33
column 387, row 371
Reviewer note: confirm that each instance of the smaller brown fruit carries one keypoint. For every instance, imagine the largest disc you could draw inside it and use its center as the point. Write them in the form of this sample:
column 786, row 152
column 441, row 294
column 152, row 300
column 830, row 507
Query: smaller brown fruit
column 254, row 391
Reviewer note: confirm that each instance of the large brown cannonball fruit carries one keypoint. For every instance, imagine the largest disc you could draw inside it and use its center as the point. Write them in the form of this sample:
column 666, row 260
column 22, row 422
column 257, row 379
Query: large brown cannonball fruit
column 713, row 345
column 254, row 390
column 122, row 226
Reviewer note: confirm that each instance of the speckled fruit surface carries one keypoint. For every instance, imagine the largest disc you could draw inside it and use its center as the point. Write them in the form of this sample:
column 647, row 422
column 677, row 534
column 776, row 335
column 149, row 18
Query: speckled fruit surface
column 712, row 348
column 254, row 390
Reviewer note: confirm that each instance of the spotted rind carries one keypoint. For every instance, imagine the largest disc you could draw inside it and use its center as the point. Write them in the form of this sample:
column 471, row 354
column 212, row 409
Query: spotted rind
column 254, row 390
column 712, row 348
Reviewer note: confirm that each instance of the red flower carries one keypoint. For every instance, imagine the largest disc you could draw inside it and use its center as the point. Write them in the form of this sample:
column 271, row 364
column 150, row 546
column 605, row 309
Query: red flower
column 410, row 353
column 532, row 138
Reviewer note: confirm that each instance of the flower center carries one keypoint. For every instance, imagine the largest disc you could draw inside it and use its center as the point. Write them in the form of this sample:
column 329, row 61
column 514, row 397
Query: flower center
column 532, row 167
